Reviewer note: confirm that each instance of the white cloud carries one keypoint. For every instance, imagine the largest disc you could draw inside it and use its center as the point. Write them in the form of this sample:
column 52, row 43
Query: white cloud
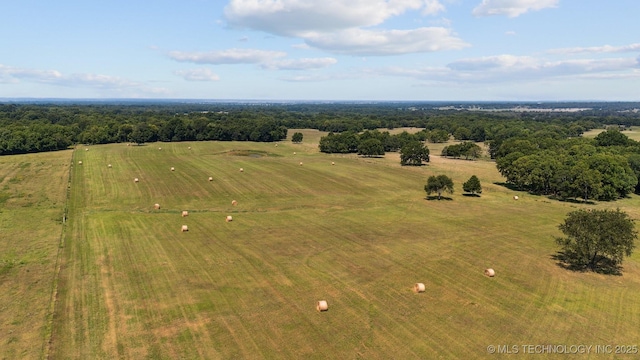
column 300, row 64
column 302, row 46
column 54, row 77
column 13, row 74
column 387, row 42
column 338, row 25
column 512, row 8
column 432, row 7
column 508, row 68
column 598, row 49
column 106, row 84
column 510, row 33
column 514, row 69
column 230, row 56
column 198, row 75
column 493, row 62
column 323, row 77
column 298, row 17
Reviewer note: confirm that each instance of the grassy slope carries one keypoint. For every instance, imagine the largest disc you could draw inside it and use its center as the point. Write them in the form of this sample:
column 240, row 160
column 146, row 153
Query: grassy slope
column 32, row 198
column 358, row 234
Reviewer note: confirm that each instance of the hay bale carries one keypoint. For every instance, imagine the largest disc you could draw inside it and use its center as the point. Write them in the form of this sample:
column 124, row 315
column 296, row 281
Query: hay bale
column 300, row 163
column 109, row 166
column 322, row 305
column 234, row 203
column 332, row 163
column 515, row 197
column 135, row 180
column 294, row 153
column 489, row 272
column 229, row 218
column 173, row 169
column 156, row 206
column 276, row 145
column 419, row 287
column 80, row 162
column 185, row 213
column 159, row 148
column 184, row 228
column 86, row 149
column 189, row 147
column 210, row 178
column 241, row 169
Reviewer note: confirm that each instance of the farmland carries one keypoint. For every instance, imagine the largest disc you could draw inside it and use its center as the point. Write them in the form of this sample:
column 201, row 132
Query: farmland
column 358, row 234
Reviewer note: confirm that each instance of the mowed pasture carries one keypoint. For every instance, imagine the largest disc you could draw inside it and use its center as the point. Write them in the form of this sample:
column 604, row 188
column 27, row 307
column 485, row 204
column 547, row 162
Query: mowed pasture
column 358, row 234
column 32, row 199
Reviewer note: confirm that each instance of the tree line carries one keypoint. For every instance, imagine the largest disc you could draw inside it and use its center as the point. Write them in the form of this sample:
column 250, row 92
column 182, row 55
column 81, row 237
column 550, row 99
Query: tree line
column 605, row 168
column 542, row 153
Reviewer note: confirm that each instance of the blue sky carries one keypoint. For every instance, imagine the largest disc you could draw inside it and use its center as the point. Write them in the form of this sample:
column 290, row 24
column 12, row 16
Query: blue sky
column 466, row 50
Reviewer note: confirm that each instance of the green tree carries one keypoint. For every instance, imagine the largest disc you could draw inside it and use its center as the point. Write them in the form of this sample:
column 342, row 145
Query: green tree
column 586, row 183
column 371, row 147
column 596, row 240
column 438, row 136
column 462, row 133
column 439, row 184
column 472, row 185
column 414, row 153
column 612, row 137
column 297, row 137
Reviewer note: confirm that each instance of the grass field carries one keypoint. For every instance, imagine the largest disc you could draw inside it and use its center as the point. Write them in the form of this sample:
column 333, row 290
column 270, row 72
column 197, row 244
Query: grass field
column 358, row 234
column 32, row 198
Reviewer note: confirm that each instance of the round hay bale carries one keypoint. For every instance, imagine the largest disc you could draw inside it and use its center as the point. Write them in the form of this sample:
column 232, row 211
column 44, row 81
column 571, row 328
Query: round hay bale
column 229, row 218
column 210, row 178
column 86, row 149
column 234, row 203
column 80, row 162
column 419, row 287
column 109, row 166
column 173, row 169
column 185, row 213
column 241, row 169
column 135, row 180
column 332, row 163
column 489, row 272
column 156, row 206
column 294, row 153
column 300, row 163
column 159, row 148
column 322, row 305
column 515, row 197
column 189, row 147
column 276, row 145
column 128, row 144
column 184, row 228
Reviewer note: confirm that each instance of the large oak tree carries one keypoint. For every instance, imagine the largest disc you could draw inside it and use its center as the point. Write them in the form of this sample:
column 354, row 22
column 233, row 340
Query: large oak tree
column 597, row 240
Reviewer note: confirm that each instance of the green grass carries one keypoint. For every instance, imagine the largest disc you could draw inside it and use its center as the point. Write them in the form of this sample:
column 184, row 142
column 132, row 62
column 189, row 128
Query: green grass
column 358, row 234
column 32, row 199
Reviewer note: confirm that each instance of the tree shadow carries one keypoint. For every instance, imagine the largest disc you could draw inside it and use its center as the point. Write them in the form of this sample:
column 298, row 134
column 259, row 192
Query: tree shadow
column 512, row 187
column 435, row 197
column 413, row 164
column 605, row 266
column 471, row 195
column 572, row 201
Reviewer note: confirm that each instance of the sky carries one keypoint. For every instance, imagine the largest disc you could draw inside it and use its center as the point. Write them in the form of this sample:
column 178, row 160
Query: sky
column 393, row 50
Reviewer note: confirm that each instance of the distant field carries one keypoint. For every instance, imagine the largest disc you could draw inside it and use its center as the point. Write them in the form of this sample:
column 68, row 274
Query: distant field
column 358, row 234
column 633, row 133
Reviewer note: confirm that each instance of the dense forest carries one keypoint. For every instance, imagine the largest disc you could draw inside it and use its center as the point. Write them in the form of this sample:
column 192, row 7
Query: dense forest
column 538, row 150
